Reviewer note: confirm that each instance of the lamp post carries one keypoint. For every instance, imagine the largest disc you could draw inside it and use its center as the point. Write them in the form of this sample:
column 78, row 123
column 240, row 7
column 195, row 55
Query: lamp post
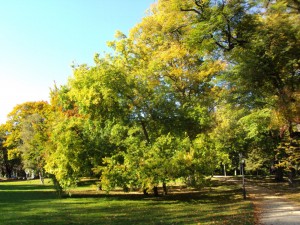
column 242, row 165
column 243, row 175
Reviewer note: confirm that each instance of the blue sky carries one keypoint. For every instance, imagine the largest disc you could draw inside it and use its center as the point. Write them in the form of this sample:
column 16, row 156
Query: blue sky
column 39, row 40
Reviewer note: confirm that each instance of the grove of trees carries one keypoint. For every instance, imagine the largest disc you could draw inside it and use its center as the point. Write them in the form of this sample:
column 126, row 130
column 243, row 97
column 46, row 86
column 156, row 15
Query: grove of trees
column 193, row 86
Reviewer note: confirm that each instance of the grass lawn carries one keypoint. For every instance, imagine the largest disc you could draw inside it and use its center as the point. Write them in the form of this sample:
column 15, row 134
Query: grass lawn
column 28, row 202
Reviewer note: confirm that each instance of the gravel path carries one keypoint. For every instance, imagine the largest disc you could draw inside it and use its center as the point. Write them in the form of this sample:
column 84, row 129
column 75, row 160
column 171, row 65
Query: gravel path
column 272, row 209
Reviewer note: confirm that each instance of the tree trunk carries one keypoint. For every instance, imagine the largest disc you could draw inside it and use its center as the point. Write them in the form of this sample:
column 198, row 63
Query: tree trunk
column 8, row 169
column 155, row 191
column 41, row 177
column 57, row 186
column 279, row 174
column 145, row 191
column 292, row 176
column 145, row 131
column 165, row 188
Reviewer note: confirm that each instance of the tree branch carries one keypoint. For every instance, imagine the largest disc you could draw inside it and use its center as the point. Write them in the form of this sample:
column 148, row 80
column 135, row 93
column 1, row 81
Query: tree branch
column 191, row 10
column 294, row 7
column 198, row 3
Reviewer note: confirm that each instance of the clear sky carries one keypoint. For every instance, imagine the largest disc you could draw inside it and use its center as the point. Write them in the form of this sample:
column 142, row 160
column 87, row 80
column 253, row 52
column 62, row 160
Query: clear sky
column 39, row 40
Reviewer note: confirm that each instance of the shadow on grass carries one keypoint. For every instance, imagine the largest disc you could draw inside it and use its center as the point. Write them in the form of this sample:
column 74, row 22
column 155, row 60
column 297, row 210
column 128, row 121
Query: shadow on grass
column 25, row 187
column 19, row 191
column 175, row 193
column 188, row 197
column 282, row 187
column 35, row 204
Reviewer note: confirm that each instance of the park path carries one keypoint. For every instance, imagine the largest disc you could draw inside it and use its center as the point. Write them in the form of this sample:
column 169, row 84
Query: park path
column 271, row 208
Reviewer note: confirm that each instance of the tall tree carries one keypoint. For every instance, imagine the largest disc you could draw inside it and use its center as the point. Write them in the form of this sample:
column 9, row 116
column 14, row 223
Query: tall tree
column 6, row 165
column 27, row 134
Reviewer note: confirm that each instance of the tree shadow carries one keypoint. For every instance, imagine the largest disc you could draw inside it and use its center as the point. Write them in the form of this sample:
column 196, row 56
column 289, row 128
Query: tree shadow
column 180, row 206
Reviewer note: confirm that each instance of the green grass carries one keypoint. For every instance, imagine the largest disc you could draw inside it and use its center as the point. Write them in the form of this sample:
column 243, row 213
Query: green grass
column 28, row 202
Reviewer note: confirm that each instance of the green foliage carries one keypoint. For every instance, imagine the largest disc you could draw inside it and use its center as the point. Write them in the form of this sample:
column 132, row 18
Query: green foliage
column 67, row 160
column 288, row 152
column 6, row 165
column 258, row 161
column 27, row 134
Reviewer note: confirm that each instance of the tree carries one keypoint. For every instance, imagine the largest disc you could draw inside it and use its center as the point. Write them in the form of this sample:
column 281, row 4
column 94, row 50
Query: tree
column 6, row 165
column 268, row 71
column 27, row 134
column 132, row 95
column 173, row 97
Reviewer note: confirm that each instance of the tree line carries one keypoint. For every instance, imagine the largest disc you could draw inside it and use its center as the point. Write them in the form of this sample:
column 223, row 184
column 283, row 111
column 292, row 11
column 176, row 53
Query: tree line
column 192, row 87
